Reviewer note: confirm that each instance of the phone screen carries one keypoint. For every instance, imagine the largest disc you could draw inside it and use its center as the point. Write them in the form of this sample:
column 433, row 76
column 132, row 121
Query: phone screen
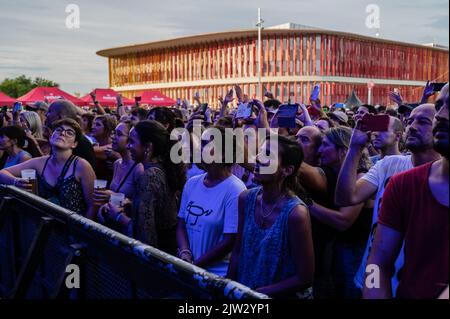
column 286, row 115
column 244, row 111
column 315, row 93
column 437, row 87
column 375, row 123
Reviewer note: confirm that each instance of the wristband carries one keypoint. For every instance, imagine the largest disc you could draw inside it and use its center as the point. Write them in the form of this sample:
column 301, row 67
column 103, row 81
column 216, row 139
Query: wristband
column 182, row 251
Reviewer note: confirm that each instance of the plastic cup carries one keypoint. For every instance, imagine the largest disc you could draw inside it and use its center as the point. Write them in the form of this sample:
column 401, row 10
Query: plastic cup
column 100, row 184
column 117, row 199
column 30, row 175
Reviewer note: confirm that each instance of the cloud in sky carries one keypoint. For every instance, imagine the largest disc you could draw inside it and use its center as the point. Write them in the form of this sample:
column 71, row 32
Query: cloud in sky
column 34, row 40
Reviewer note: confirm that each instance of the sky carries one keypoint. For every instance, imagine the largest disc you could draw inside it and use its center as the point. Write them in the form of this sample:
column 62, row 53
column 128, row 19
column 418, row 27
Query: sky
column 35, row 41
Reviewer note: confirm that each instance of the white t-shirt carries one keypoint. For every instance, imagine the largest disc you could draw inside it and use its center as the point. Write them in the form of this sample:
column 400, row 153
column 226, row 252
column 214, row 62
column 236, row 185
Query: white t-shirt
column 194, row 170
column 379, row 176
column 209, row 213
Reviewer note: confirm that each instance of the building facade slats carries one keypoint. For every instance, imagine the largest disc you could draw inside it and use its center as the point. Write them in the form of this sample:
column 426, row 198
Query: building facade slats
column 291, row 63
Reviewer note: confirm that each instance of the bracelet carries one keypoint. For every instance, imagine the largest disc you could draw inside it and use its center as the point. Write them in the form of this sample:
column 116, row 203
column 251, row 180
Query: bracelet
column 118, row 217
column 15, row 181
column 182, row 251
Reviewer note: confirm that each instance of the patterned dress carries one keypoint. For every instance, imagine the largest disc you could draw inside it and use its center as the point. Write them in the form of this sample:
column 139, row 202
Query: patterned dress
column 154, row 215
column 265, row 254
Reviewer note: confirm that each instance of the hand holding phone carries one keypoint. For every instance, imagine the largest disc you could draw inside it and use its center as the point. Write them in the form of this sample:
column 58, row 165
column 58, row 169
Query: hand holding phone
column 437, row 86
column 286, row 115
column 396, row 97
column 93, row 96
column 315, row 93
column 428, row 89
column 244, row 111
column 374, row 123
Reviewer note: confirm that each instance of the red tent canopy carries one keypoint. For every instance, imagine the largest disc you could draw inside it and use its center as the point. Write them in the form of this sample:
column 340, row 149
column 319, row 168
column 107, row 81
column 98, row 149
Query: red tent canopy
column 106, row 97
column 6, row 100
column 50, row 94
column 156, row 98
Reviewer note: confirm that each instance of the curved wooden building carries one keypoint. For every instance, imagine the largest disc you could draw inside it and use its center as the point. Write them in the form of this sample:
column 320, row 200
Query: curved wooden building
column 294, row 58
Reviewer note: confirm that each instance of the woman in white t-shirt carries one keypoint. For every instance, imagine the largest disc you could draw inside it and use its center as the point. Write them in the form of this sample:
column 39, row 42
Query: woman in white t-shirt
column 208, row 216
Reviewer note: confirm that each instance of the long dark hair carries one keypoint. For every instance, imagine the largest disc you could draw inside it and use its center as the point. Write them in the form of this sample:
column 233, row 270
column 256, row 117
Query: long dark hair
column 164, row 116
column 291, row 153
column 153, row 132
column 23, row 142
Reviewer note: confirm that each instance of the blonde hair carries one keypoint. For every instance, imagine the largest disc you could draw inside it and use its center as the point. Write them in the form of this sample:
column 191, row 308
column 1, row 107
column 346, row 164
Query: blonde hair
column 34, row 122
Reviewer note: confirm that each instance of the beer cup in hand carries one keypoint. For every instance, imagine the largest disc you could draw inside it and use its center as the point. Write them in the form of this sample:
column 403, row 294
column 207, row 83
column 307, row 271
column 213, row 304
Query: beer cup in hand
column 28, row 181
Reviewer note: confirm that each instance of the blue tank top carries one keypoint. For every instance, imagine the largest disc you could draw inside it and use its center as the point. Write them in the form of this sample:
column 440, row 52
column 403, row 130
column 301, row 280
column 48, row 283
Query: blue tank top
column 265, row 254
column 15, row 160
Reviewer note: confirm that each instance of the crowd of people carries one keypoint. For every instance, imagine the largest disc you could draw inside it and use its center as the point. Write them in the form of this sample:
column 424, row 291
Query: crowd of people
column 341, row 200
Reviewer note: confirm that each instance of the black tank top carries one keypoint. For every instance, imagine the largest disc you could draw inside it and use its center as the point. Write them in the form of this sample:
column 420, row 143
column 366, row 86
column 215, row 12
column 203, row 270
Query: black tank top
column 67, row 192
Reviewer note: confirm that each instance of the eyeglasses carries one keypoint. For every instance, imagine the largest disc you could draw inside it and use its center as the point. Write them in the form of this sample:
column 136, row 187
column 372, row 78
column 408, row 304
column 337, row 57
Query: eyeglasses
column 67, row 132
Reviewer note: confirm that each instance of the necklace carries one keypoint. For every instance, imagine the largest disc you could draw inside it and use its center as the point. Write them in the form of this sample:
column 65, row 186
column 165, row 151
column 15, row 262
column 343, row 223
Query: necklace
column 265, row 215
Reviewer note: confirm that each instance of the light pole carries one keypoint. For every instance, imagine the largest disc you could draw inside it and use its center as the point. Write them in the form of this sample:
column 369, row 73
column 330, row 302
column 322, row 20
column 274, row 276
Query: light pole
column 260, row 26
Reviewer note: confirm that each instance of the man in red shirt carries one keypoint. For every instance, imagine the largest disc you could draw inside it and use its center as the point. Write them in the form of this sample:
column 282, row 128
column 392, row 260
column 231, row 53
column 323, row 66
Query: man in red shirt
column 415, row 209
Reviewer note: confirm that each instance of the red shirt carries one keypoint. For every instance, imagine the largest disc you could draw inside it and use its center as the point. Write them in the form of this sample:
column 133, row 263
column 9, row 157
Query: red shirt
column 410, row 208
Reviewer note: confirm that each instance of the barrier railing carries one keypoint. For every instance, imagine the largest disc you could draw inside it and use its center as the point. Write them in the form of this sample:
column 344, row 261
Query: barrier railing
column 42, row 243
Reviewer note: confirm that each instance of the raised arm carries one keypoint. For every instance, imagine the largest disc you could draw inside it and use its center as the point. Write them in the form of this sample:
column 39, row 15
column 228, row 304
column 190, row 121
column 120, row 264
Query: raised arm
column 98, row 107
column 228, row 98
column 427, row 92
column 120, row 108
column 306, row 116
column 350, row 190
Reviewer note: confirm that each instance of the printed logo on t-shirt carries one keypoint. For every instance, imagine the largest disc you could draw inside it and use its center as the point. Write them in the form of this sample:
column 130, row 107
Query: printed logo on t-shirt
column 195, row 211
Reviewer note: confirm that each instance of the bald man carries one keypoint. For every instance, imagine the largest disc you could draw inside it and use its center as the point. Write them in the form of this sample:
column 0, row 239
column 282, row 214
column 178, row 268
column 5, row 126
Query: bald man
column 350, row 191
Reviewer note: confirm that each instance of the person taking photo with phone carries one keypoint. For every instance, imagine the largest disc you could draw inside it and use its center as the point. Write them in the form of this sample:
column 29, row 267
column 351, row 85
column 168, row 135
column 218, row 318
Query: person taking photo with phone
column 354, row 190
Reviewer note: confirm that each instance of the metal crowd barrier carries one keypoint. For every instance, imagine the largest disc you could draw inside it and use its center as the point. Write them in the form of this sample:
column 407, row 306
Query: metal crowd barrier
column 38, row 240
